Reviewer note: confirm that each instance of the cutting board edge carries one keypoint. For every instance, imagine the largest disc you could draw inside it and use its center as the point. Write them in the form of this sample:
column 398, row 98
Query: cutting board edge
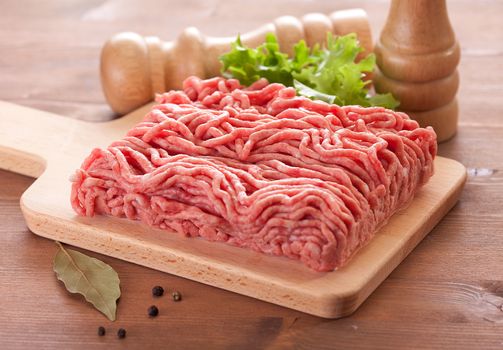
column 27, row 164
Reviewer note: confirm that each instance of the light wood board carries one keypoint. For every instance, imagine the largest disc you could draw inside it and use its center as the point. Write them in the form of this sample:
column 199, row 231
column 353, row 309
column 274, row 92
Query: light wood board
column 31, row 141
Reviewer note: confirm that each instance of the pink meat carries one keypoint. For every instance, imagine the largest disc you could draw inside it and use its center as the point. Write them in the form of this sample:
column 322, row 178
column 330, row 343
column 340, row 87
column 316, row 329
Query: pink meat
column 260, row 168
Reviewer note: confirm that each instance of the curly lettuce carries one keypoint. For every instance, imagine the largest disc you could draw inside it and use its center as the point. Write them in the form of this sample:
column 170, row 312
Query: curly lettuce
column 331, row 74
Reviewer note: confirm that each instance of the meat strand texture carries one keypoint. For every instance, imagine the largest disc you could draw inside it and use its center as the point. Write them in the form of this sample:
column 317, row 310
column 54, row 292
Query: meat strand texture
column 260, row 168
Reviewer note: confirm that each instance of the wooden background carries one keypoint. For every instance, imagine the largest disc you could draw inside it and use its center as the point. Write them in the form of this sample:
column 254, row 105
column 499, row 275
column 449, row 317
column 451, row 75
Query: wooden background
column 447, row 294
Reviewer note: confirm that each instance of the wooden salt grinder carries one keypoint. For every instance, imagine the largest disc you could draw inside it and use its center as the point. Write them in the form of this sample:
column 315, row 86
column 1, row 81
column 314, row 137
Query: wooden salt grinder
column 134, row 68
column 417, row 55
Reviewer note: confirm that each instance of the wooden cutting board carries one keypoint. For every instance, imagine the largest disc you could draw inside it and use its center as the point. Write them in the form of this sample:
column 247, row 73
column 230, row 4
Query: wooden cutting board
column 51, row 147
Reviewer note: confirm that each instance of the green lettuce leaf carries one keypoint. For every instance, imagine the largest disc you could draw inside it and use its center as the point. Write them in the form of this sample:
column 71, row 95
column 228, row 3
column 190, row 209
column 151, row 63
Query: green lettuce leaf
column 311, row 93
column 330, row 74
column 266, row 61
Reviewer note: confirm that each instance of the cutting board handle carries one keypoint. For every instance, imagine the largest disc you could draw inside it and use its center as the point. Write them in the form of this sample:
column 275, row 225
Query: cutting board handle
column 29, row 138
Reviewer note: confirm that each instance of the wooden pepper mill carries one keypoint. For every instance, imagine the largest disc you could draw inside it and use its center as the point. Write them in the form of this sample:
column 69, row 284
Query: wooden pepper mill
column 417, row 55
column 134, row 68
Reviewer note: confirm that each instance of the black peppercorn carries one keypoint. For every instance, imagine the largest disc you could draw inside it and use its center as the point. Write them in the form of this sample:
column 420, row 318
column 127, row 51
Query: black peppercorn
column 157, row 291
column 121, row 333
column 101, row 331
column 153, row 311
column 176, row 296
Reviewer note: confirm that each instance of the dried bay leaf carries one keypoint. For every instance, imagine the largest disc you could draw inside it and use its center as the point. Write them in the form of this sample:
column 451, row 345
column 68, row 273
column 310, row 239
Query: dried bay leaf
column 95, row 280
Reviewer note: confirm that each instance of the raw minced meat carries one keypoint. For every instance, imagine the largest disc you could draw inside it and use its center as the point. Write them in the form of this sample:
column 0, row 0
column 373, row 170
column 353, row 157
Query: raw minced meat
column 260, row 168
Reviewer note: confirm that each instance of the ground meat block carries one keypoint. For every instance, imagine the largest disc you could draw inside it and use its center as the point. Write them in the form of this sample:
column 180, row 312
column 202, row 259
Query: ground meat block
column 260, row 168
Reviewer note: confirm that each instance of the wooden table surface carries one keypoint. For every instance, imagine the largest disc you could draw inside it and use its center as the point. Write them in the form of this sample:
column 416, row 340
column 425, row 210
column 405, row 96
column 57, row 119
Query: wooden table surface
column 447, row 294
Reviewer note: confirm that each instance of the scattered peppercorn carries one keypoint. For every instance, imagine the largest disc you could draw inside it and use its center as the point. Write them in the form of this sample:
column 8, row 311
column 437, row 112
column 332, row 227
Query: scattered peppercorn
column 101, row 331
column 157, row 291
column 176, row 296
column 121, row 333
column 153, row 311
